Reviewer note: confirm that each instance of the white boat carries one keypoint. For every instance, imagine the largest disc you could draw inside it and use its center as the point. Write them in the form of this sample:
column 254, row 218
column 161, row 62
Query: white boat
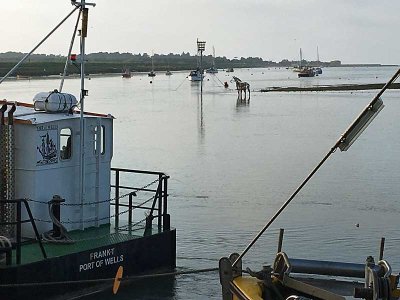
column 196, row 75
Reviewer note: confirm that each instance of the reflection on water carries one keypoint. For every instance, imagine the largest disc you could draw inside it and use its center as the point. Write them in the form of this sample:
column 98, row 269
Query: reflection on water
column 233, row 164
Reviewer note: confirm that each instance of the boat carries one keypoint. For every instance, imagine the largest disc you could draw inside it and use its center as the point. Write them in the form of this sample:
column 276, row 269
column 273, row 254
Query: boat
column 196, row 75
column 306, row 72
column 126, row 73
column 168, row 73
column 229, row 70
column 152, row 73
column 318, row 69
column 70, row 223
column 293, row 278
column 213, row 69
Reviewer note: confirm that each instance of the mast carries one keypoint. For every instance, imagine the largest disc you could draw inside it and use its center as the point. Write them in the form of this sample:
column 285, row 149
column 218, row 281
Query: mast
column 301, row 58
column 83, row 34
column 317, row 55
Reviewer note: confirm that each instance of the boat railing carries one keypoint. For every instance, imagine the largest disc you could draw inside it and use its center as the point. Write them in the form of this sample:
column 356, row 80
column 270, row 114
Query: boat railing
column 17, row 242
column 157, row 188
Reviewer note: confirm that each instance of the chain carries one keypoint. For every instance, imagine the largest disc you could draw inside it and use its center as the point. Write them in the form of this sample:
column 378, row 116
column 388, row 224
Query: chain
column 101, row 201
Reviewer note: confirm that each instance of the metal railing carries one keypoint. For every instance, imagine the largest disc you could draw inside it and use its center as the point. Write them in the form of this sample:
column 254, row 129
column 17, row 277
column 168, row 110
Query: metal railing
column 18, row 223
column 159, row 207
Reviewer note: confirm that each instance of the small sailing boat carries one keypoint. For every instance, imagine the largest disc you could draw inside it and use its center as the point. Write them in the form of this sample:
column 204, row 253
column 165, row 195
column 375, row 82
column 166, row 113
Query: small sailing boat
column 198, row 73
column 126, row 73
column 152, row 73
column 213, row 69
column 318, row 69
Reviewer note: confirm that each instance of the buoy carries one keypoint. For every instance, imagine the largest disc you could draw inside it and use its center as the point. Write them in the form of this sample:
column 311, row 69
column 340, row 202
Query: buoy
column 117, row 280
column 151, row 81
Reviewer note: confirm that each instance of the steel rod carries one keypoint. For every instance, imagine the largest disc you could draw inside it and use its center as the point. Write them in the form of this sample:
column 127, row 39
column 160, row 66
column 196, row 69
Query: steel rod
column 69, row 52
column 332, row 150
column 37, row 46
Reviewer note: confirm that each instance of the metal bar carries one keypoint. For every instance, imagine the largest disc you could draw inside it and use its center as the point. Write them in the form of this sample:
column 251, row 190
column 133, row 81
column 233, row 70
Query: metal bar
column 382, row 248
column 280, row 241
column 136, row 206
column 69, row 52
column 18, row 257
column 132, row 188
column 116, row 198
column 165, row 202
column 321, row 267
column 159, row 219
column 130, row 209
column 137, row 171
column 37, row 46
column 28, row 209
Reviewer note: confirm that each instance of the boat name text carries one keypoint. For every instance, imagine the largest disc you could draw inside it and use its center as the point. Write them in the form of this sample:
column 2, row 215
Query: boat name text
column 100, row 259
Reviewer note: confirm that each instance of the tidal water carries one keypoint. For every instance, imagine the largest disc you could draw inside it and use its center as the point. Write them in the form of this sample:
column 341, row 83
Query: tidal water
column 232, row 165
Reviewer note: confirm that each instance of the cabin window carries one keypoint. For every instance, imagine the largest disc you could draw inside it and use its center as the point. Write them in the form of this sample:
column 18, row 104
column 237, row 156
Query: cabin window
column 65, row 143
column 99, row 139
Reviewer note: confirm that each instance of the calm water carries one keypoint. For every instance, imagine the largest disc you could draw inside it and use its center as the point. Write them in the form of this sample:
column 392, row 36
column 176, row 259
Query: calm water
column 233, row 164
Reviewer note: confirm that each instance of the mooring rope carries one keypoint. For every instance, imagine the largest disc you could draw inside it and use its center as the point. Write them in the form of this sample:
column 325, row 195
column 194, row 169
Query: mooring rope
column 109, row 280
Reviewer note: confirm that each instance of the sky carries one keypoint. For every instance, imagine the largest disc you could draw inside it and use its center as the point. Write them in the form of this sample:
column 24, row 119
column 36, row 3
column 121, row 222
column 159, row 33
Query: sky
column 353, row 31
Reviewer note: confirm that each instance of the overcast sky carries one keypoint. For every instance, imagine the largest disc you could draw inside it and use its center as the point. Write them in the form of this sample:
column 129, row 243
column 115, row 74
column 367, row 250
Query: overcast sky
column 363, row 31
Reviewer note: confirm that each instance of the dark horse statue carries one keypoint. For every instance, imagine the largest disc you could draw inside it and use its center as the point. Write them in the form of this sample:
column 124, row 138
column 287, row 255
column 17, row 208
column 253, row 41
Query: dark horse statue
column 242, row 86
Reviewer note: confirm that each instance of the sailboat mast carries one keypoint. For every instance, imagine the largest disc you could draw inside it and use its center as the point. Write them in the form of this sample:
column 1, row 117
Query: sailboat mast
column 301, row 58
column 317, row 55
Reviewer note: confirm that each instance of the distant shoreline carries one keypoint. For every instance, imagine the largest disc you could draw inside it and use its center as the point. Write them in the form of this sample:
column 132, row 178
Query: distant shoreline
column 338, row 87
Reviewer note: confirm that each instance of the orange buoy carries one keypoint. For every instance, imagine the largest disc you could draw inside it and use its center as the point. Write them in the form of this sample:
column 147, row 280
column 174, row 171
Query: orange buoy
column 117, row 280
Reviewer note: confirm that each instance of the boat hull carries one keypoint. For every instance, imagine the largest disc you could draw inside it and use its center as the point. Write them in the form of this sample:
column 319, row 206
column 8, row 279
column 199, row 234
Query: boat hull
column 144, row 255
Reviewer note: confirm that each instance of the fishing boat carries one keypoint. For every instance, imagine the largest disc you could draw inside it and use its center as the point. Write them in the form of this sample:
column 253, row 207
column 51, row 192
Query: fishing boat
column 69, row 222
column 293, row 278
column 213, row 69
column 306, row 72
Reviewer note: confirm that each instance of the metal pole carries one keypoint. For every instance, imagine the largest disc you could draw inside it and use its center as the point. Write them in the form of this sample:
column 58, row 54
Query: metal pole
column 333, row 149
column 382, row 248
column 69, row 52
column 280, row 242
column 37, row 46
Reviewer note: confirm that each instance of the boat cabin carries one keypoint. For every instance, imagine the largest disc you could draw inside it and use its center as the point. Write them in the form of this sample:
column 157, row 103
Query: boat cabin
column 46, row 139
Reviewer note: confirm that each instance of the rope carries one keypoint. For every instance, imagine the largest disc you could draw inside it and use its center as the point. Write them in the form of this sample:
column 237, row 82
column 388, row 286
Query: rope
column 181, row 83
column 109, row 280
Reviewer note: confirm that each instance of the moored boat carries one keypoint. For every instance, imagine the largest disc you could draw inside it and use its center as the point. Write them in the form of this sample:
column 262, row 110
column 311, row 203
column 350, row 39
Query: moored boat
column 196, row 75
column 126, row 73
column 306, row 72
column 68, row 220
column 302, row 279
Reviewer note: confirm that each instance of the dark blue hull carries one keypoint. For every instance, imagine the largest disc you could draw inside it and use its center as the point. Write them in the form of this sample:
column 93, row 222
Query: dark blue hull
column 55, row 276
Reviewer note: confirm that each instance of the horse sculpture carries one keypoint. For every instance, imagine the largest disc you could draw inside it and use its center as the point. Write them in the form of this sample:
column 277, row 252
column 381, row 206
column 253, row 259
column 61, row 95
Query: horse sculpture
column 242, row 86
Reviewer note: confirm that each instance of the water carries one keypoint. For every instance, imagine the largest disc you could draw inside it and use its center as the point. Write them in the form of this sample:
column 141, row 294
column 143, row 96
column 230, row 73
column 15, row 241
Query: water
column 233, row 164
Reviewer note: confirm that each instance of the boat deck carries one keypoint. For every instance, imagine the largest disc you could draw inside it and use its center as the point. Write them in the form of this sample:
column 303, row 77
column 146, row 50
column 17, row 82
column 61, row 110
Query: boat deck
column 87, row 239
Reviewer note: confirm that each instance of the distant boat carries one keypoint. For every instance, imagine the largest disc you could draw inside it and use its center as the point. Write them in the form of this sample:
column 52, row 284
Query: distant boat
column 152, row 73
column 126, row 73
column 168, row 73
column 196, row 75
column 299, row 67
column 306, row 72
column 213, row 69
column 318, row 70
column 229, row 70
